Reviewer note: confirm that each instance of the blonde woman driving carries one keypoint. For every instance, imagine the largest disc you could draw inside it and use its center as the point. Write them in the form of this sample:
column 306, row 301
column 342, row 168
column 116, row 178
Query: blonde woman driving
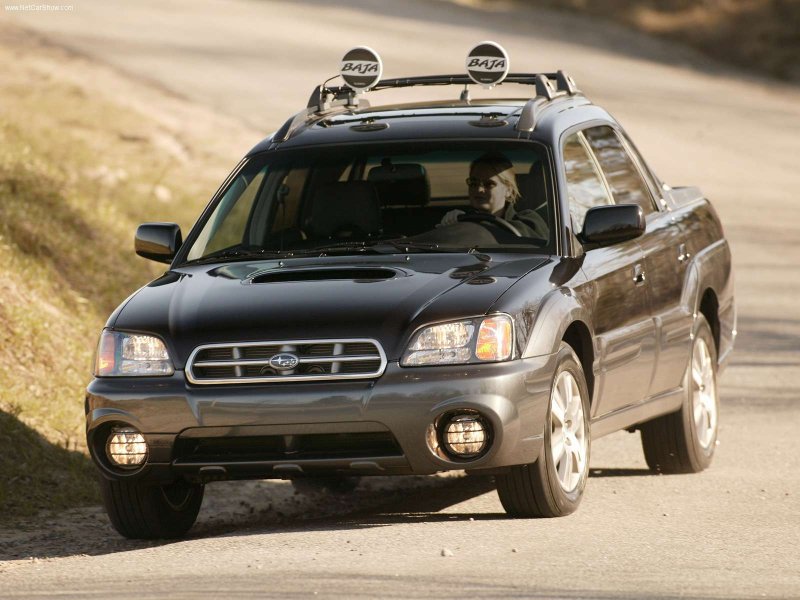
column 492, row 189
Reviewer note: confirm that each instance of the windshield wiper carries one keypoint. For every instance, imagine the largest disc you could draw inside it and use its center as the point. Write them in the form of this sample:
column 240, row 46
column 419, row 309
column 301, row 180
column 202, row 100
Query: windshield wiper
column 410, row 245
column 378, row 246
column 385, row 247
column 238, row 253
column 338, row 247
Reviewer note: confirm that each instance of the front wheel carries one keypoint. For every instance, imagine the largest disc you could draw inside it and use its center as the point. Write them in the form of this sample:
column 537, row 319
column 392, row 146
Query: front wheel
column 684, row 441
column 553, row 485
column 141, row 510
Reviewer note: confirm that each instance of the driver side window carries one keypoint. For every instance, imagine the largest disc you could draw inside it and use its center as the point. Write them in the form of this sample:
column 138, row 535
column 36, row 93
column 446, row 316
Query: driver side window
column 585, row 186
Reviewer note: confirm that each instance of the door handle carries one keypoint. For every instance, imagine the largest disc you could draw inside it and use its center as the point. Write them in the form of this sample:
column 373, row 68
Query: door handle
column 683, row 255
column 638, row 275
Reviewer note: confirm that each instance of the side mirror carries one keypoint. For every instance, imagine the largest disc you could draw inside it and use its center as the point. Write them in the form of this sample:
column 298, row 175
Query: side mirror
column 606, row 225
column 158, row 241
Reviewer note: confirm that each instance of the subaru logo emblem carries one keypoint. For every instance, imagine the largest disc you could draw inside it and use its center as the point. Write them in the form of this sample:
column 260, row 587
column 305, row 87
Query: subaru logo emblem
column 284, row 361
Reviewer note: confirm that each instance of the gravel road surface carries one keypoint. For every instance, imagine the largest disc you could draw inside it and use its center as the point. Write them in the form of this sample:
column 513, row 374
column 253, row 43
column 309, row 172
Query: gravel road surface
column 729, row 532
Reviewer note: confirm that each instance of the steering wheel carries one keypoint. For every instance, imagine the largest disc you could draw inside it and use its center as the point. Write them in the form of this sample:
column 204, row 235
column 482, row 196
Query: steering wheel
column 489, row 218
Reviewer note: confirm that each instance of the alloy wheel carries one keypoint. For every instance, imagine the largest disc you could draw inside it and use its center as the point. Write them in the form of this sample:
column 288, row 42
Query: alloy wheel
column 704, row 394
column 568, row 441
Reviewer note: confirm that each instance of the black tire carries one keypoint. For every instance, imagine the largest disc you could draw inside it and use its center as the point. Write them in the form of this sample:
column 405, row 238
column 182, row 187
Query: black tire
column 326, row 485
column 534, row 490
column 671, row 443
column 140, row 510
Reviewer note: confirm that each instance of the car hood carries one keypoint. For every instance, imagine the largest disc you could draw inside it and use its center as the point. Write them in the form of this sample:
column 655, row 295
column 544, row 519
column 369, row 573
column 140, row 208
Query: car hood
column 382, row 297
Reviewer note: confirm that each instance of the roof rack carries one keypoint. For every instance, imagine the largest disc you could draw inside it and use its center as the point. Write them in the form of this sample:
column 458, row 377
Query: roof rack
column 325, row 100
column 564, row 83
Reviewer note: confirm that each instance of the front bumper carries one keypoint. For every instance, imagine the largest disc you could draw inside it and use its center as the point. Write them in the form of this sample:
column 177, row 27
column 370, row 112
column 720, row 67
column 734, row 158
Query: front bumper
column 381, row 423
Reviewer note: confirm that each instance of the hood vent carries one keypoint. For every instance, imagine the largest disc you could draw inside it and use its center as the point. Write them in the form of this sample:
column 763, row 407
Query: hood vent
column 349, row 274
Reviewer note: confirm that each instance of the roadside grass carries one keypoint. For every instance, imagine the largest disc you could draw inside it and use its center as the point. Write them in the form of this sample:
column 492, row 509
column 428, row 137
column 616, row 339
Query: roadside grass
column 78, row 172
column 39, row 475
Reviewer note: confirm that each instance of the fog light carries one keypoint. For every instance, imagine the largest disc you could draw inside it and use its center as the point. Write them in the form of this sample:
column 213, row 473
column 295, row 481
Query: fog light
column 465, row 435
column 126, row 447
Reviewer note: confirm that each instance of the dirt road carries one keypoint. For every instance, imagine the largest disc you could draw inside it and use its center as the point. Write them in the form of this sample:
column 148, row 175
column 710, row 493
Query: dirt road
column 730, row 532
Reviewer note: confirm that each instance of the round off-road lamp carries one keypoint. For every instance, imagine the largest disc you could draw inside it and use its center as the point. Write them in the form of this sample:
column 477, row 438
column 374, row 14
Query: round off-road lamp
column 464, row 435
column 126, row 447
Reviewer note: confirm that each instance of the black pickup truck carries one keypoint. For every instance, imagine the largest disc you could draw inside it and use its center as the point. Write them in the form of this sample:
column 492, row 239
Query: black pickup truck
column 482, row 285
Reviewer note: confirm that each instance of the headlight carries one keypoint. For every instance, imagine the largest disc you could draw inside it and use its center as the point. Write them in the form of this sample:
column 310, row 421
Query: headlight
column 131, row 355
column 457, row 342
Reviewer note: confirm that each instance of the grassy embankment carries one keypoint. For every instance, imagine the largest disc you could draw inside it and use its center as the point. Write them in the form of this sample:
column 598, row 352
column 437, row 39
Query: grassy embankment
column 761, row 35
column 78, row 172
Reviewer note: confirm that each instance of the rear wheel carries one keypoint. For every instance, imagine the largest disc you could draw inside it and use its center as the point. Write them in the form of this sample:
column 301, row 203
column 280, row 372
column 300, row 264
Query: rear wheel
column 684, row 441
column 140, row 510
column 553, row 485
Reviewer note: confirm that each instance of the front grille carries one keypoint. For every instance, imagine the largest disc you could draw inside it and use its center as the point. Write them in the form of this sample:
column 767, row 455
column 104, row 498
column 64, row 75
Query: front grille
column 220, row 450
column 252, row 362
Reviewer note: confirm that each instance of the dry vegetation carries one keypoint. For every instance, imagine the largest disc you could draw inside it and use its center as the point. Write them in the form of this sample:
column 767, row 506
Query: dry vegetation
column 763, row 35
column 80, row 166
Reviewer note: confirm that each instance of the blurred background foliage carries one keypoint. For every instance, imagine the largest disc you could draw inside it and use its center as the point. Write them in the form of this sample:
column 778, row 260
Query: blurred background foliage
column 762, row 35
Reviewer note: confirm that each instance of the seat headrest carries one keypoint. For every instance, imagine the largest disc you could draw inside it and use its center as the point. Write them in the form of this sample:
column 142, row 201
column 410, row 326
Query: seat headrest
column 532, row 188
column 401, row 185
column 344, row 209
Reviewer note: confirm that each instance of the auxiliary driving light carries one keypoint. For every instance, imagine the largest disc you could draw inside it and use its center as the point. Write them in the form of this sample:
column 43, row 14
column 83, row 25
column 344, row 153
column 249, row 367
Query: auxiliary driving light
column 126, row 447
column 464, row 435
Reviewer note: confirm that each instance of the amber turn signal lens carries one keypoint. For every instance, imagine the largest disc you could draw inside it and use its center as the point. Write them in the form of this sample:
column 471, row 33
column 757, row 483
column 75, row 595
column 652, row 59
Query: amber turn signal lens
column 106, row 355
column 494, row 339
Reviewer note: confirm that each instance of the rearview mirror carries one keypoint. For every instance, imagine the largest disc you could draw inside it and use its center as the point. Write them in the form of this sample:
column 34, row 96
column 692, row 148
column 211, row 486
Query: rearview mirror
column 158, row 241
column 606, row 225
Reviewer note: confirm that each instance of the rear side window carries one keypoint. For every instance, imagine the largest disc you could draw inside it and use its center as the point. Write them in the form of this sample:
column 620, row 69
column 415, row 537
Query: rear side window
column 621, row 173
column 584, row 183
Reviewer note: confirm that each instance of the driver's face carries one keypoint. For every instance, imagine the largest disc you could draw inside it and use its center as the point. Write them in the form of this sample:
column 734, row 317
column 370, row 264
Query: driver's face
column 487, row 192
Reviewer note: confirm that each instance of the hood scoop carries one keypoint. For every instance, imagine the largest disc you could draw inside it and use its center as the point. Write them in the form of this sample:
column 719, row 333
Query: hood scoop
column 356, row 274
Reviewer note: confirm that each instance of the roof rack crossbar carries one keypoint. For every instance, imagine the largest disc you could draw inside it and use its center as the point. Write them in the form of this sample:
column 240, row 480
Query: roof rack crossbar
column 548, row 85
column 460, row 79
column 325, row 100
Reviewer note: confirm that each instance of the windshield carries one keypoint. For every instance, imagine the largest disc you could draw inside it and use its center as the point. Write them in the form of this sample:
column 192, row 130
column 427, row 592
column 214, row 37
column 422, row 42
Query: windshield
column 371, row 198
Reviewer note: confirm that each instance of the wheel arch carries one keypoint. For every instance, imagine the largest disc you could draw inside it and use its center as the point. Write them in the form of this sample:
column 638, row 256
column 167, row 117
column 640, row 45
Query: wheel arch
column 562, row 317
column 579, row 337
column 709, row 308
column 708, row 290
